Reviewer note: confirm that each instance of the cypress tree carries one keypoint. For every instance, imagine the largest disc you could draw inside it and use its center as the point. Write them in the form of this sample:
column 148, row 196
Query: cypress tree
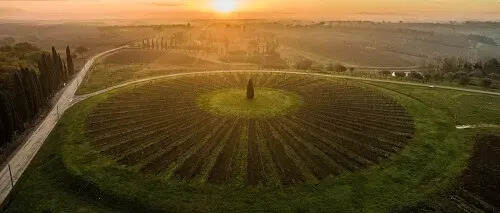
column 65, row 68
column 54, row 77
column 7, row 118
column 62, row 68
column 57, row 71
column 44, row 77
column 37, row 90
column 5, row 136
column 50, row 75
column 32, row 89
column 60, row 73
column 28, row 92
column 20, row 101
column 250, row 90
column 69, row 59
column 54, row 54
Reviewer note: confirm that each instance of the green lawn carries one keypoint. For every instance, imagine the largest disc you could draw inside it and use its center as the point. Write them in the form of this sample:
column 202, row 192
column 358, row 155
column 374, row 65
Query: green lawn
column 267, row 102
column 64, row 177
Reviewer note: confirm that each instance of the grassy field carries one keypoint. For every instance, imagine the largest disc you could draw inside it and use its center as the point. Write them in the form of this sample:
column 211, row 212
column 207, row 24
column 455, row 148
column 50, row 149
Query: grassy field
column 387, row 44
column 132, row 64
column 74, row 173
column 476, row 188
column 267, row 103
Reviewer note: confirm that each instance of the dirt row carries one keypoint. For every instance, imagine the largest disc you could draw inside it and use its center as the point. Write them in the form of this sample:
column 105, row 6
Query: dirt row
column 159, row 128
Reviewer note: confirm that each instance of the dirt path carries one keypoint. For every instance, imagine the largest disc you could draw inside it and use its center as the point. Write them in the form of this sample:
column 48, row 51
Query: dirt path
column 20, row 160
column 479, row 126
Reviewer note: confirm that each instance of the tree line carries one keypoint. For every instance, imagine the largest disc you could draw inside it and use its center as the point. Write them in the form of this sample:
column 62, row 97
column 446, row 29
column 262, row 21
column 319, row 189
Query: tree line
column 27, row 85
column 459, row 70
column 485, row 73
column 174, row 41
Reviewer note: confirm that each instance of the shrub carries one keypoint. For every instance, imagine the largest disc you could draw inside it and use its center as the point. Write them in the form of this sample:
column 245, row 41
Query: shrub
column 448, row 76
column 384, row 72
column 494, row 76
column 400, row 74
column 339, row 68
column 486, row 82
column 304, row 64
column 336, row 67
column 492, row 66
column 477, row 73
column 273, row 61
column 427, row 76
column 416, row 76
column 459, row 75
column 329, row 67
column 438, row 76
column 317, row 67
column 464, row 80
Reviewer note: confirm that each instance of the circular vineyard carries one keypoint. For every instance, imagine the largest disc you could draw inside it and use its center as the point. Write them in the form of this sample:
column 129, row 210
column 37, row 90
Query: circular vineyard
column 198, row 128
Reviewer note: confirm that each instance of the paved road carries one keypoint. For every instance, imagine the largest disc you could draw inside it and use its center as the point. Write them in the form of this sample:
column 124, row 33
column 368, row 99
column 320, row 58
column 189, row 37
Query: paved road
column 23, row 155
column 83, row 97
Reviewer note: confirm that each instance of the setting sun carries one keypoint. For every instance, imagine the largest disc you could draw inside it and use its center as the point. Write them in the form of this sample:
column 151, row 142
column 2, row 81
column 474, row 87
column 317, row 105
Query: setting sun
column 224, row 6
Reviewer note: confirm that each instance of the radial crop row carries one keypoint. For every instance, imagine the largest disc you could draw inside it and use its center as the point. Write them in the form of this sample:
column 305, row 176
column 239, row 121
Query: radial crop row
column 159, row 128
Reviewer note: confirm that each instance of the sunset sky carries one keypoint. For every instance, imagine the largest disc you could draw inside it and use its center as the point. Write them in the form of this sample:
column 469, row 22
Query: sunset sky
column 411, row 10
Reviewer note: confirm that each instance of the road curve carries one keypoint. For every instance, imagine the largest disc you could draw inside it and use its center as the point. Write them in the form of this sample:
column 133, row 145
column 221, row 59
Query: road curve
column 83, row 97
column 21, row 158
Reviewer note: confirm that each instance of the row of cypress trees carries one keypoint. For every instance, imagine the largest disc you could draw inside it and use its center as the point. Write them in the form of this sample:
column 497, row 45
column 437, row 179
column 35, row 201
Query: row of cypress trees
column 157, row 44
column 24, row 92
column 175, row 40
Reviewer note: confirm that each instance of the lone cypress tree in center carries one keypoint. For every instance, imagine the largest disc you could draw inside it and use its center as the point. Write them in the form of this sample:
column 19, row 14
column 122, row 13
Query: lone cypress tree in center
column 250, row 90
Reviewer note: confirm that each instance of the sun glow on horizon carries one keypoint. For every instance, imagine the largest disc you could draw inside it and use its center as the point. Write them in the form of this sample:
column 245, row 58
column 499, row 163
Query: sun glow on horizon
column 224, row 6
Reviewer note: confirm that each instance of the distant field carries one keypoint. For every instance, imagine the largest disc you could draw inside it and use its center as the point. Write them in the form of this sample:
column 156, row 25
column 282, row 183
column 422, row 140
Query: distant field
column 343, row 49
column 365, row 44
column 131, row 64
column 88, row 164
column 132, row 56
column 89, row 35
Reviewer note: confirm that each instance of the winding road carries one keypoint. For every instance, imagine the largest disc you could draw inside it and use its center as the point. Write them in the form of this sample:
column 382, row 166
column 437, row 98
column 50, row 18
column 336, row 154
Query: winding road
column 23, row 156
column 19, row 161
